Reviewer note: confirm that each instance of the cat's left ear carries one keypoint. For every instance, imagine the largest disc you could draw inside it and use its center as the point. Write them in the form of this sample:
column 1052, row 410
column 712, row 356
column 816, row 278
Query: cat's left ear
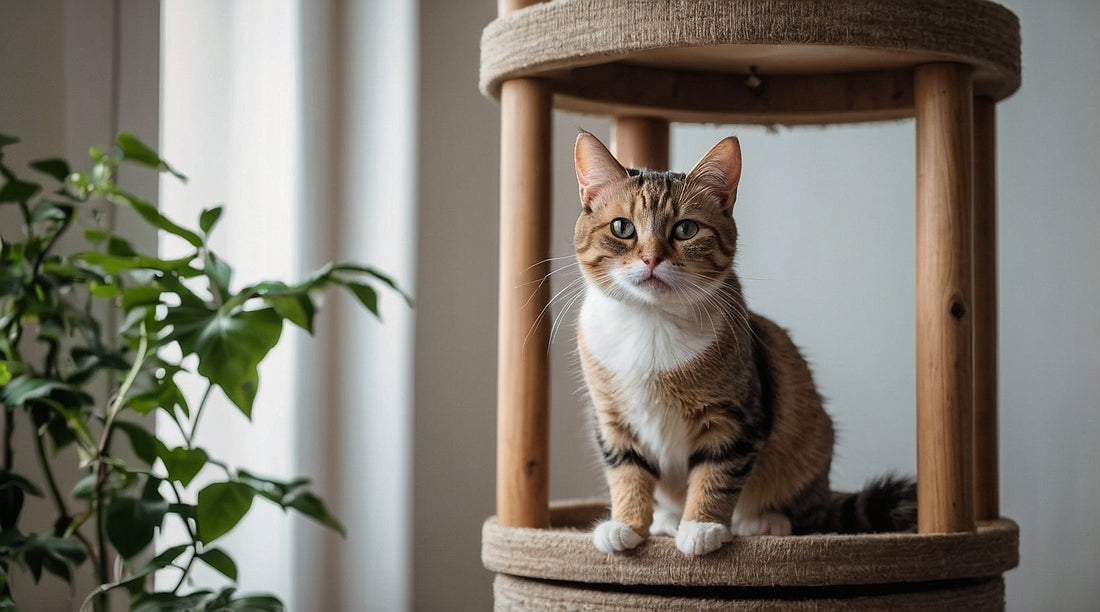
column 719, row 172
column 597, row 169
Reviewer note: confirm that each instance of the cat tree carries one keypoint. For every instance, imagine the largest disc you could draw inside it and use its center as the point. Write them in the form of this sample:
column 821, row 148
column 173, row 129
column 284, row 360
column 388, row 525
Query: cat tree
column 645, row 64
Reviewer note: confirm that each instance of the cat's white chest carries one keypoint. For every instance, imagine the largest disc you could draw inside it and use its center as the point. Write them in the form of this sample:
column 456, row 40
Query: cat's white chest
column 635, row 344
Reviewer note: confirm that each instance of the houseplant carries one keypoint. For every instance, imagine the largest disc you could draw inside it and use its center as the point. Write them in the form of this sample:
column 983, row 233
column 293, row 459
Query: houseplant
column 178, row 317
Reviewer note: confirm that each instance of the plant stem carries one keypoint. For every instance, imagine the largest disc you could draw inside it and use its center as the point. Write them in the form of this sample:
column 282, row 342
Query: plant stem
column 44, row 462
column 120, row 397
column 194, row 541
column 198, row 414
column 9, row 432
column 101, row 602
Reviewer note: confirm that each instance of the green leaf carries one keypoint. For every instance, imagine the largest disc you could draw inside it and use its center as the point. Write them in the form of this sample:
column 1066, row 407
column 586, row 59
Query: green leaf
column 134, row 582
column 120, row 248
column 13, row 480
column 106, row 292
column 56, row 555
column 342, row 269
column 140, row 295
column 6, row 140
column 78, row 428
column 11, row 506
column 274, row 490
column 132, row 523
column 221, row 506
column 182, row 464
column 365, row 294
column 48, row 210
column 163, row 393
column 169, row 602
column 294, row 495
column 209, row 218
column 230, row 347
column 166, row 557
column 95, row 235
column 219, row 560
column 85, row 488
column 220, row 274
column 5, row 373
column 18, row 191
column 294, row 306
column 134, row 150
column 23, row 388
column 56, row 167
column 150, row 213
column 112, row 264
column 141, row 440
column 252, row 603
column 312, row 506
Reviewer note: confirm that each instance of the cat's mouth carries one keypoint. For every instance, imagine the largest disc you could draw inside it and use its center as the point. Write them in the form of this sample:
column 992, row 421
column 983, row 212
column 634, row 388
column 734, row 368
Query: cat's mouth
column 654, row 284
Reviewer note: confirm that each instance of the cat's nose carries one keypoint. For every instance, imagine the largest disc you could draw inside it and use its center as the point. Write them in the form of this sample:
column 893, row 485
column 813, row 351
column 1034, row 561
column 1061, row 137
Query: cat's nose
column 651, row 261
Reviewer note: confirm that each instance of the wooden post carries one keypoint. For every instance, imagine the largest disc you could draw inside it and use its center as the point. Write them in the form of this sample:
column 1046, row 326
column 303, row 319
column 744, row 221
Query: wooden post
column 945, row 419
column 523, row 367
column 986, row 473
column 640, row 142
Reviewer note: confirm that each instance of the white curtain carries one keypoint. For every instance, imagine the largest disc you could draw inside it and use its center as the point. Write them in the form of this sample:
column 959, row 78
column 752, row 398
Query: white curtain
column 299, row 115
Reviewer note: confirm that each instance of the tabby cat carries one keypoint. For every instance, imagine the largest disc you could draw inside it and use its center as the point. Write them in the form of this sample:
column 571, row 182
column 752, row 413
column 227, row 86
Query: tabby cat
column 706, row 414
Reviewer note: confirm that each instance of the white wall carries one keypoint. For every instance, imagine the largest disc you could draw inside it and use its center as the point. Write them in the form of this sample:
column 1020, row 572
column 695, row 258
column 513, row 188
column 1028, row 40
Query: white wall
column 827, row 250
column 299, row 116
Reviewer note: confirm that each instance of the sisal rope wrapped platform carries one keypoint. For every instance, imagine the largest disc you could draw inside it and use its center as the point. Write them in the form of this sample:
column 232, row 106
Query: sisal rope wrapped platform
column 512, row 593
column 565, row 553
column 822, row 60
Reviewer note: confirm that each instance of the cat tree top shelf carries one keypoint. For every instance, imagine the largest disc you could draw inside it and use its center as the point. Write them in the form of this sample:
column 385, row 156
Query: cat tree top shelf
column 749, row 61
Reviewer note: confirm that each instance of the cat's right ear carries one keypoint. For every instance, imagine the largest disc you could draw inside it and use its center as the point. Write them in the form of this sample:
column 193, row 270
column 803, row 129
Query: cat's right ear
column 596, row 168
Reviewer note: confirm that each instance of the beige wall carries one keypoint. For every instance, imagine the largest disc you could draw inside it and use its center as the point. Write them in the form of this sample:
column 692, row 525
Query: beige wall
column 455, row 380
column 64, row 90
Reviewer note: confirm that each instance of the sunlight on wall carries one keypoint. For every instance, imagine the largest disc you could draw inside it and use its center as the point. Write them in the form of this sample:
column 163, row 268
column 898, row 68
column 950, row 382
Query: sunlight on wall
column 230, row 77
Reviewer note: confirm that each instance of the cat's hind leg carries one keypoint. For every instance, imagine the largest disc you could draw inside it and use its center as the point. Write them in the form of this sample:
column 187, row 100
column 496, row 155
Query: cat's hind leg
column 665, row 521
column 767, row 522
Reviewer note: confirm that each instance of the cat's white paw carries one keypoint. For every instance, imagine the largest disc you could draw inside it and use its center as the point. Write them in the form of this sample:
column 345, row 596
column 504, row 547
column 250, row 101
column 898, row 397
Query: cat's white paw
column 613, row 536
column 664, row 522
column 768, row 523
column 695, row 538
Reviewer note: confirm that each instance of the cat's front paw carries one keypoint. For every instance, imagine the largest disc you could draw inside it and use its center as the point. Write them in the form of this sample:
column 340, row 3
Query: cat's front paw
column 614, row 536
column 694, row 538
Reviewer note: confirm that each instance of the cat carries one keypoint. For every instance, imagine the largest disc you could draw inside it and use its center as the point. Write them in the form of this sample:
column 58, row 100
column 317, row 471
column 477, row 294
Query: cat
column 706, row 415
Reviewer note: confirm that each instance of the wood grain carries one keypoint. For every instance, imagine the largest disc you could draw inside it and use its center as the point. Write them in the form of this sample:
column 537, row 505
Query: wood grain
column 523, row 373
column 986, row 472
column 944, row 308
column 640, row 142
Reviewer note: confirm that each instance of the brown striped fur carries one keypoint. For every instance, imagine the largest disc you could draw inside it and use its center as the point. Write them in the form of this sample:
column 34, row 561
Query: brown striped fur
column 703, row 406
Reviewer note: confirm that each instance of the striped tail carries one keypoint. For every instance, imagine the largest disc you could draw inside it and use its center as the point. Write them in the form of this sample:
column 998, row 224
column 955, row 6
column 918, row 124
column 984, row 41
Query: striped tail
column 886, row 503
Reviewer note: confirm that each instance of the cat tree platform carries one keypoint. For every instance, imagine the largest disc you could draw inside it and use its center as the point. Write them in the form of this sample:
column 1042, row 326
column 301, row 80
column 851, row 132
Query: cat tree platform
column 645, row 64
column 547, row 568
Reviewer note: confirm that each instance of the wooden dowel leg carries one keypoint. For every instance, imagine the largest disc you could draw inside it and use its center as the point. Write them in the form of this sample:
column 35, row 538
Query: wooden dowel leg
column 945, row 420
column 986, row 473
column 523, row 393
column 640, row 142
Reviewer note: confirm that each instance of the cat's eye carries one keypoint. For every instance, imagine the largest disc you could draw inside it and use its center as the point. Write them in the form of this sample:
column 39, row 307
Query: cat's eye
column 622, row 228
column 685, row 229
